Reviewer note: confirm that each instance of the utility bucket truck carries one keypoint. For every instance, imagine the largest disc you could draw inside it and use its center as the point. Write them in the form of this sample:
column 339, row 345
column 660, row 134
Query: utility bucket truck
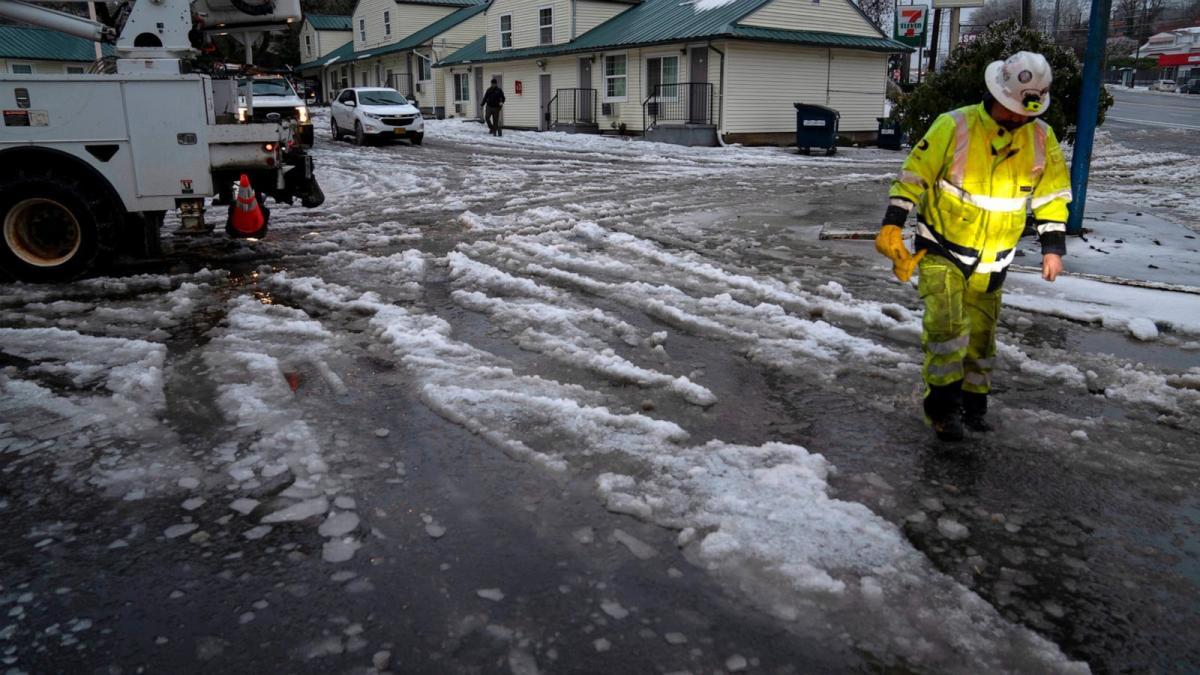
column 90, row 164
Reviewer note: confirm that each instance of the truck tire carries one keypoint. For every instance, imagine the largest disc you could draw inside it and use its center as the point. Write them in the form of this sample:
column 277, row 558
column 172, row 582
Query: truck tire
column 53, row 226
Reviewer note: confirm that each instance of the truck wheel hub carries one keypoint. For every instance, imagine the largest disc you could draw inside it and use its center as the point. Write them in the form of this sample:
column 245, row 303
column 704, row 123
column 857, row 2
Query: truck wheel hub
column 42, row 232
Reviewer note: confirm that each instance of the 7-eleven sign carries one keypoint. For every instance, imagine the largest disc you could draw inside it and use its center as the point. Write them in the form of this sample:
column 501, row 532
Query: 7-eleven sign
column 910, row 24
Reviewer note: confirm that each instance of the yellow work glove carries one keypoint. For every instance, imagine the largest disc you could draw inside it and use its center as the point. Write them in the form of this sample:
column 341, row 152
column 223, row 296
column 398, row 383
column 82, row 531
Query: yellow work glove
column 890, row 243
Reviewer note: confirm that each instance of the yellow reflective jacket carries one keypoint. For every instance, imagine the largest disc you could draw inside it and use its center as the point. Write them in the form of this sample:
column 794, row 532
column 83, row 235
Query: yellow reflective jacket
column 973, row 182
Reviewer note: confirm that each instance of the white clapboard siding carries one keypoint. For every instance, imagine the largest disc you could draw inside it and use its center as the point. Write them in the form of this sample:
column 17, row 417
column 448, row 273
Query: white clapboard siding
column 856, row 88
column 320, row 42
column 406, row 19
column 525, row 22
column 763, row 80
column 589, row 14
column 825, row 16
column 459, row 36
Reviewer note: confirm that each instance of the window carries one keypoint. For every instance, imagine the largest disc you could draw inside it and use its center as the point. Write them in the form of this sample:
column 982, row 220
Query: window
column 462, row 90
column 362, row 79
column 614, row 77
column 424, row 69
column 346, row 97
column 546, row 26
column 664, row 71
column 21, row 68
column 74, row 70
column 308, row 46
column 362, row 30
column 387, row 22
column 506, row 31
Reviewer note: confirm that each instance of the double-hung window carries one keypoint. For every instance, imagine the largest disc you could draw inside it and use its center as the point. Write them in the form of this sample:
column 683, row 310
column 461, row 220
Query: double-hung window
column 506, row 31
column 462, row 92
column 546, row 26
column 362, row 30
column 614, row 77
column 662, row 71
column 387, row 22
column 424, row 68
column 308, row 46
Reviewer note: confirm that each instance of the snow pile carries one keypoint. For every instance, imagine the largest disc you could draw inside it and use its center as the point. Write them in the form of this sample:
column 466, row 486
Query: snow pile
column 562, row 329
column 771, row 528
column 1138, row 311
column 131, row 370
column 250, row 358
column 764, row 317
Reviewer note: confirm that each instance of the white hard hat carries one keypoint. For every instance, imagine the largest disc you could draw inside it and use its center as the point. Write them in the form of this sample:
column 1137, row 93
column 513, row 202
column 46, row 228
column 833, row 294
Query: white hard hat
column 1021, row 83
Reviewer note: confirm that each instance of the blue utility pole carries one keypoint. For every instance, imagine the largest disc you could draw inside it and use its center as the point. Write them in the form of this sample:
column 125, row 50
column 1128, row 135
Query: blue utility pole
column 1089, row 110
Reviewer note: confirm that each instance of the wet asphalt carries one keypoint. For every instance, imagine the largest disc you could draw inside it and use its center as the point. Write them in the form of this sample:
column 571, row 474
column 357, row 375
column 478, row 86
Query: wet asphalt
column 1100, row 554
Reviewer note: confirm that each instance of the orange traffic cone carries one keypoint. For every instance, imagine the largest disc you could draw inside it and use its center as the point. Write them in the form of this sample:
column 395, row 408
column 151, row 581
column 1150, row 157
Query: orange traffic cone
column 246, row 218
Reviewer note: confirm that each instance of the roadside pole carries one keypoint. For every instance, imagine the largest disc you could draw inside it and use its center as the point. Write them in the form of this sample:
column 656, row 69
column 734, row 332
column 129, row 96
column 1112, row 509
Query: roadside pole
column 1089, row 109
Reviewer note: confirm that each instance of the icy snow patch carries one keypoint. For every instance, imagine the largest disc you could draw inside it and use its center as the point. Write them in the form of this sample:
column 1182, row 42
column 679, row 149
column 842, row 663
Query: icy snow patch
column 493, row 594
column 298, row 511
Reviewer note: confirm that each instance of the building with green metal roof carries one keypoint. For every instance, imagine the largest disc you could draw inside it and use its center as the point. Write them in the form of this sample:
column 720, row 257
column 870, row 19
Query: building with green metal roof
column 678, row 69
column 395, row 43
column 321, row 36
column 25, row 50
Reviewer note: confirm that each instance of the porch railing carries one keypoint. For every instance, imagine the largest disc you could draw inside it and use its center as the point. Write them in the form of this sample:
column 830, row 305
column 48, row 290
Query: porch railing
column 573, row 106
column 679, row 103
column 402, row 82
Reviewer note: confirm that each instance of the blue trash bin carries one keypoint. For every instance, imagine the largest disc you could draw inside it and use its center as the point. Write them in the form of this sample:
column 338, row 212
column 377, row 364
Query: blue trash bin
column 816, row 127
column 891, row 136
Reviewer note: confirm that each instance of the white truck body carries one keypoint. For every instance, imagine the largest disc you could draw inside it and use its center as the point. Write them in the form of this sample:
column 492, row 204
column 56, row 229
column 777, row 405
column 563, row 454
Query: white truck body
column 163, row 127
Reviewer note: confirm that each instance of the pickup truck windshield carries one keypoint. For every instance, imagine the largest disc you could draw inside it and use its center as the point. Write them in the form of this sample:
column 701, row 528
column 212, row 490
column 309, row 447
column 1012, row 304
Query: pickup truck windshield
column 381, row 98
column 270, row 88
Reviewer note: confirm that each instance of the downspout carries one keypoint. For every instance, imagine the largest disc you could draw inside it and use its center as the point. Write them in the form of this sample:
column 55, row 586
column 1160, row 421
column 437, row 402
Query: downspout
column 828, row 72
column 721, row 93
column 574, row 10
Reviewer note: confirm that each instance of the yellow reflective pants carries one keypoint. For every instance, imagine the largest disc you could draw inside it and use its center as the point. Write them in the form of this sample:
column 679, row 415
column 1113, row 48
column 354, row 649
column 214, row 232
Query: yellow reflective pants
column 959, row 336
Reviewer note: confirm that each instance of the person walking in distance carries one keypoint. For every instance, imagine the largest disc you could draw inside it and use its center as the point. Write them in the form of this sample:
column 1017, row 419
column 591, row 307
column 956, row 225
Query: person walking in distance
column 972, row 180
column 493, row 103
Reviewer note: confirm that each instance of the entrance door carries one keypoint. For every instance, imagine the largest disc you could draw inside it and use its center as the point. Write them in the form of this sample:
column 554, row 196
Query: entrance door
column 545, row 93
column 698, row 95
column 479, row 93
column 584, row 99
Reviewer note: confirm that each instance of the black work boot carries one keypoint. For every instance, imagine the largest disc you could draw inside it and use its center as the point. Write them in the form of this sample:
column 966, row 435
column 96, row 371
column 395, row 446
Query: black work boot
column 975, row 412
column 943, row 408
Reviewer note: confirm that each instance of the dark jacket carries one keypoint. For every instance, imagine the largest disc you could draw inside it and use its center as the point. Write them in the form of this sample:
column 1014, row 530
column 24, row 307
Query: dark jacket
column 494, row 96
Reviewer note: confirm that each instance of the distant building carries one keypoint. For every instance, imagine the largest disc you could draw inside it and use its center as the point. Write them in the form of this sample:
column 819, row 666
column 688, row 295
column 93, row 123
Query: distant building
column 682, row 71
column 320, row 36
column 41, row 51
column 1177, row 51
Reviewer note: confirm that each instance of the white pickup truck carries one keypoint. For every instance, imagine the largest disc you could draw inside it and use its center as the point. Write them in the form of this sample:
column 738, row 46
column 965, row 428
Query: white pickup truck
column 274, row 94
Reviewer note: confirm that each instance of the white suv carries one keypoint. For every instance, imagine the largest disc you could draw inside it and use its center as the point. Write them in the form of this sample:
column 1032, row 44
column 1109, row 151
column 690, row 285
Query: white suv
column 1163, row 85
column 373, row 113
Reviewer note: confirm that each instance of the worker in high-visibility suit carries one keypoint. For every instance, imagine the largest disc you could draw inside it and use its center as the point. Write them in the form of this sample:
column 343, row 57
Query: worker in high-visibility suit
column 972, row 179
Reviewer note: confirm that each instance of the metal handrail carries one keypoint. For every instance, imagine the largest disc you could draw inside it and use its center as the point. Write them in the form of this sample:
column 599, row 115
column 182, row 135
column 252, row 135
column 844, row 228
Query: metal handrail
column 574, row 106
column 684, row 102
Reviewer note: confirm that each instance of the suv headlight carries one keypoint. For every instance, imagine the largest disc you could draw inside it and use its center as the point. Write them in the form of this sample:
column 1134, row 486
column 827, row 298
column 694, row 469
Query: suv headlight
column 373, row 116
column 302, row 114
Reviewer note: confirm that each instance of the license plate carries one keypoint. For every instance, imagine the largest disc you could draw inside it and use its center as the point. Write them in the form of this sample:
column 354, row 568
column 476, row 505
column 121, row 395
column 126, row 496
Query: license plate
column 400, row 132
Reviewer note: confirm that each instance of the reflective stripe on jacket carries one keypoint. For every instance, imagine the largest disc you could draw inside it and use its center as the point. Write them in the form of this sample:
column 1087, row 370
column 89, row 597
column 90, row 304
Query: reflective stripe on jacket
column 973, row 183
